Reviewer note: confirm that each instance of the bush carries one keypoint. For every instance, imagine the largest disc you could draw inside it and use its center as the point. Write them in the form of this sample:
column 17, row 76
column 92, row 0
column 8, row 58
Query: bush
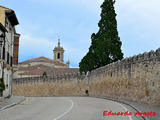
column 9, row 96
column 44, row 74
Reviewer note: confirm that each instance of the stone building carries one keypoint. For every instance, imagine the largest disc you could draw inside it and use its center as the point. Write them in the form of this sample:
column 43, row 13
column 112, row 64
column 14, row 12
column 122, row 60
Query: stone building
column 8, row 21
column 59, row 53
column 37, row 66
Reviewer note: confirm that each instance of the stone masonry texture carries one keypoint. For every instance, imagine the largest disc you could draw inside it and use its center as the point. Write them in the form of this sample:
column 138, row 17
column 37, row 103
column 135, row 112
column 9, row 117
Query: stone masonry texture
column 136, row 79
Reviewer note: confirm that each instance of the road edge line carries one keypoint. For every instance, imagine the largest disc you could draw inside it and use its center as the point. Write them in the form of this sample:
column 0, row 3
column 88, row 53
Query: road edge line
column 70, row 108
column 13, row 104
column 122, row 102
column 130, row 118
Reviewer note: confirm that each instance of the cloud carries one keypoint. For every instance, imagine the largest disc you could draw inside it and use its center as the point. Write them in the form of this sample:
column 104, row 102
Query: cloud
column 138, row 25
column 75, row 20
column 146, row 11
column 31, row 47
column 86, row 4
column 34, row 45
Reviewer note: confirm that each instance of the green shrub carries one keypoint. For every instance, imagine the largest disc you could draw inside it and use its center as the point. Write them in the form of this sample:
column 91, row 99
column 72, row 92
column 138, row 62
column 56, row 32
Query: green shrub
column 44, row 74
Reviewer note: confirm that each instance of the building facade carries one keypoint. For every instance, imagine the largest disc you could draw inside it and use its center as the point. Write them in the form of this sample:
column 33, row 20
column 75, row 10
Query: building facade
column 37, row 66
column 8, row 21
column 59, row 53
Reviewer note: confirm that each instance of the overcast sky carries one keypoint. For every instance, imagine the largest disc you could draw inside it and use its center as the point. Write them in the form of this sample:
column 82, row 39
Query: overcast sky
column 42, row 22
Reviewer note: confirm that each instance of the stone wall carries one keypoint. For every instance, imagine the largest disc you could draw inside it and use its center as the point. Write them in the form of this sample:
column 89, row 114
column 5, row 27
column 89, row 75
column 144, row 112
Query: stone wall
column 136, row 78
column 66, row 85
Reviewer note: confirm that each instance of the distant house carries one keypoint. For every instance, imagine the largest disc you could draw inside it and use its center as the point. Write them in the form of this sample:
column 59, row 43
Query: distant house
column 37, row 66
column 8, row 21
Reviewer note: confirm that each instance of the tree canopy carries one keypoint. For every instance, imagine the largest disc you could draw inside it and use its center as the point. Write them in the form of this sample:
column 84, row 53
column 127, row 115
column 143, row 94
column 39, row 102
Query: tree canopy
column 105, row 44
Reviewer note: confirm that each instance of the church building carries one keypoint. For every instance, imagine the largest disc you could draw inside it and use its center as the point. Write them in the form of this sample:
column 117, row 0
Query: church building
column 38, row 66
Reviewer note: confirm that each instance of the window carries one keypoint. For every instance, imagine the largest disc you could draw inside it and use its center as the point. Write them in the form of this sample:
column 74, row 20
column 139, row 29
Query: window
column 58, row 56
column 10, row 28
column 7, row 58
column 7, row 81
column 6, row 22
column 3, row 52
column 11, row 61
column 0, row 53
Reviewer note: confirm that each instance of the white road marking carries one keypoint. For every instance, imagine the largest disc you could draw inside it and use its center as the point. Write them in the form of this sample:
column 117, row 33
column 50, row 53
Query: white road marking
column 70, row 108
column 130, row 118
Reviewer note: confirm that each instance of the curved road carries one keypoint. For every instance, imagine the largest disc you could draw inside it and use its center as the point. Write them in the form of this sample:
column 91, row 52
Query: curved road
column 66, row 108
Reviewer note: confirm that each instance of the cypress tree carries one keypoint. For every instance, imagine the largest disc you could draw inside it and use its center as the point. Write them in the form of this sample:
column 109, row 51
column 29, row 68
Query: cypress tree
column 106, row 45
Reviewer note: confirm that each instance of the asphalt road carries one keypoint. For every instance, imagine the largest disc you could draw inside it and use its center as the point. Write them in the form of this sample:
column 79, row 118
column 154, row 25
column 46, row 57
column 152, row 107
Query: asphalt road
column 66, row 108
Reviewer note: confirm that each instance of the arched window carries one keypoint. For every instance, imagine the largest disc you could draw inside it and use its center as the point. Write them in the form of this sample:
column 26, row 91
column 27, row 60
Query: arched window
column 58, row 56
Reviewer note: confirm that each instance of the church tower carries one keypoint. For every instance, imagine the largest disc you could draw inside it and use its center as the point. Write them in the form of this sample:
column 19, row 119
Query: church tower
column 59, row 52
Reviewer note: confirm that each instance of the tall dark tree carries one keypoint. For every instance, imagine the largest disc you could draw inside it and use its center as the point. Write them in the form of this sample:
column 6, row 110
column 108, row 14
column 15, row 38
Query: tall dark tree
column 106, row 45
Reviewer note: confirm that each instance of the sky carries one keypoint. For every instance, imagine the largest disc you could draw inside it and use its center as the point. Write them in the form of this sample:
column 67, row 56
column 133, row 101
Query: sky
column 42, row 22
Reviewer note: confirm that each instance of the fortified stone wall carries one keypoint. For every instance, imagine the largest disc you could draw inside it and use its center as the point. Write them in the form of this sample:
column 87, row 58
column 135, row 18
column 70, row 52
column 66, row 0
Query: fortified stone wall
column 66, row 85
column 136, row 78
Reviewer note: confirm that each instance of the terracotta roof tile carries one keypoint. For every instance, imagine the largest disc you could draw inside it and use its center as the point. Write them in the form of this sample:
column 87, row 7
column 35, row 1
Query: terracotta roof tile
column 40, row 69
column 42, row 57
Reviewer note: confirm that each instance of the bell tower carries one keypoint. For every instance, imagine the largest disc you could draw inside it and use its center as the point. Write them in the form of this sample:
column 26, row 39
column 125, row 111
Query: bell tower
column 59, row 52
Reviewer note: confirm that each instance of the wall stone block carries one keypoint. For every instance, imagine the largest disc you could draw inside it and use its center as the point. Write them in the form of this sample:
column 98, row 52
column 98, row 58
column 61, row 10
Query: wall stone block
column 135, row 78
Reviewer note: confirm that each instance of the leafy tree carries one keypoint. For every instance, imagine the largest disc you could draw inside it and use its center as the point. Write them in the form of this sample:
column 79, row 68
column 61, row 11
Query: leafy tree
column 106, row 45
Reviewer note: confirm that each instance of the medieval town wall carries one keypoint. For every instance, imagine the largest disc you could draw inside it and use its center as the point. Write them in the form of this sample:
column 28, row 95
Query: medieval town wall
column 136, row 78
